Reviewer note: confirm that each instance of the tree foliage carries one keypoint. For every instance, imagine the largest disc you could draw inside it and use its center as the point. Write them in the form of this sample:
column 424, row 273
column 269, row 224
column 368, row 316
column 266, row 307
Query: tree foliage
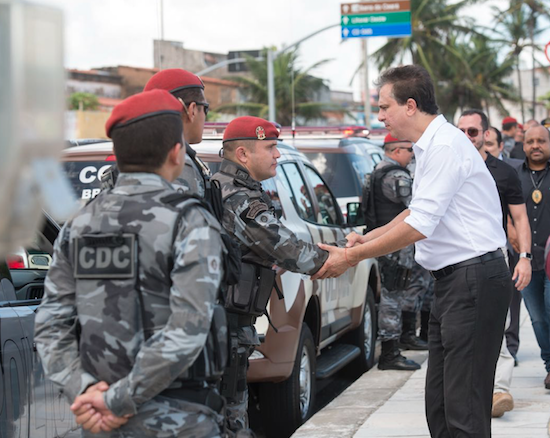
column 291, row 84
column 84, row 101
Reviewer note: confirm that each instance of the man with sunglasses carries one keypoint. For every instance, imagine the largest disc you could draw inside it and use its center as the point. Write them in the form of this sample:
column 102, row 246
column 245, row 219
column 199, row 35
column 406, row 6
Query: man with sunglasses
column 391, row 189
column 475, row 125
column 189, row 90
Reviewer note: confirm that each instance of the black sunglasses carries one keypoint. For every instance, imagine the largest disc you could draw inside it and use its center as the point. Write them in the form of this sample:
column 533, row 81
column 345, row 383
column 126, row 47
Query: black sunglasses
column 206, row 106
column 472, row 132
column 407, row 149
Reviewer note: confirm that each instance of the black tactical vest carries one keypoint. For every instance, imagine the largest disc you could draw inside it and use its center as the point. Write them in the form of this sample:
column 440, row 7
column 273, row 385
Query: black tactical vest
column 122, row 254
column 386, row 210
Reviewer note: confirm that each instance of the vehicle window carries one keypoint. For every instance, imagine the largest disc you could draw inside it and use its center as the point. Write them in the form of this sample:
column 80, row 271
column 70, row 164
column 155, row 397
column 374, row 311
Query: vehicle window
column 376, row 157
column 332, row 166
column 85, row 177
column 298, row 192
column 270, row 187
column 324, row 198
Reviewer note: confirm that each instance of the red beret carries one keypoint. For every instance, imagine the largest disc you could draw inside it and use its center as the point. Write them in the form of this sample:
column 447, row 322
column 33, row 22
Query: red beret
column 173, row 79
column 141, row 106
column 250, row 128
column 508, row 120
column 390, row 139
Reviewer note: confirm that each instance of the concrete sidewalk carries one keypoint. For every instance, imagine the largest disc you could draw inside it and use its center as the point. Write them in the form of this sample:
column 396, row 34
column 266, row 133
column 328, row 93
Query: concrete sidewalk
column 391, row 403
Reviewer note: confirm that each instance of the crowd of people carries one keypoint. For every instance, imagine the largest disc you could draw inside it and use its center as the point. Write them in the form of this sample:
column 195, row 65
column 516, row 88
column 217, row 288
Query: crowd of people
column 459, row 239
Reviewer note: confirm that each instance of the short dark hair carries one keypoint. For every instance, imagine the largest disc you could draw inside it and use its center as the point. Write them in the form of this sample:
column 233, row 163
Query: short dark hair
column 189, row 95
column 411, row 82
column 498, row 133
column 508, row 126
column 144, row 145
column 484, row 120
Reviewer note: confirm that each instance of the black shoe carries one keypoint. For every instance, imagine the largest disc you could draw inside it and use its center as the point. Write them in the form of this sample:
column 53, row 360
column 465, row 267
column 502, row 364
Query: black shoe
column 412, row 343
column 399, row 362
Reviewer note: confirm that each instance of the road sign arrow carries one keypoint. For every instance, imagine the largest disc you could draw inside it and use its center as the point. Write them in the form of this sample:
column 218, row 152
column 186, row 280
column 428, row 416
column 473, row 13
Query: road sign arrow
column 346, row 9
column 345, row 20
column 345, row 32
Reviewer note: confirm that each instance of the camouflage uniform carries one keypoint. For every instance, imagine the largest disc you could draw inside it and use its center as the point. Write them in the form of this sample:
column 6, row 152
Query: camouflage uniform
column 418, row 295
column 140, row 333
column 391, row 301
column 191, row 180
column 249, row 218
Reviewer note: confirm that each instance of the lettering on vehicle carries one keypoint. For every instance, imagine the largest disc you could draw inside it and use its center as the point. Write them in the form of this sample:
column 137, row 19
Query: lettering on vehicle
column 89, row 174
column 109, row 256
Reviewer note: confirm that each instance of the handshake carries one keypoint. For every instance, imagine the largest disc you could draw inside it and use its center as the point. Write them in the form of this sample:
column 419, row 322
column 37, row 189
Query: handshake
column 92, row 413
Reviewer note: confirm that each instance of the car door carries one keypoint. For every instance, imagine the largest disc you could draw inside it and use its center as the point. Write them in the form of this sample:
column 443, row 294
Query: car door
column 320, row 213
column 30, row 405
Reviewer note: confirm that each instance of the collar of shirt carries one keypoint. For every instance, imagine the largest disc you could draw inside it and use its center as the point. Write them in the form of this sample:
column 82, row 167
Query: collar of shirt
column 426, row 139
column 239, row 172
column 491, row 161
column 526, row 166
column 140, row 182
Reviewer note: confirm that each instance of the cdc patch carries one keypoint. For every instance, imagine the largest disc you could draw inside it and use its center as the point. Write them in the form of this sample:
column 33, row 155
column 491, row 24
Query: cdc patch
column 108, row 256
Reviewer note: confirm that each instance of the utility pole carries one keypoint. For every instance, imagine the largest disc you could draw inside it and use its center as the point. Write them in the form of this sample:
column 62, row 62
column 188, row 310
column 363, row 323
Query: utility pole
column 366, row 98
column 161, row 7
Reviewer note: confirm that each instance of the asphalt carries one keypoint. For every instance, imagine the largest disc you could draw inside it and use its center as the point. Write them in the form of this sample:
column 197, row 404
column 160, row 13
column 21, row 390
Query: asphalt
column 391, row 403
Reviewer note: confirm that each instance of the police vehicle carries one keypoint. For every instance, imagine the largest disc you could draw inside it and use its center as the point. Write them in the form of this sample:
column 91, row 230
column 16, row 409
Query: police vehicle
column 30, row 405
column 320, row 326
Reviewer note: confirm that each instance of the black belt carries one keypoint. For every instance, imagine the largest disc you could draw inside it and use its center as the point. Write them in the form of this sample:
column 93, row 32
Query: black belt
column 204, row 396
column 447, row 270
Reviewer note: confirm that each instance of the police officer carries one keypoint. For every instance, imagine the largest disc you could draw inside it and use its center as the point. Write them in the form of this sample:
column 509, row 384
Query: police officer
column 390, row 194
column 129, row 321
column 189, row 89
column 250, row 156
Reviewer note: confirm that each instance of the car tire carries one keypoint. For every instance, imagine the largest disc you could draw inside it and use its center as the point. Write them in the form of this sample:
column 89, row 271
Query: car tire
column 285, row 406
column 364, row 336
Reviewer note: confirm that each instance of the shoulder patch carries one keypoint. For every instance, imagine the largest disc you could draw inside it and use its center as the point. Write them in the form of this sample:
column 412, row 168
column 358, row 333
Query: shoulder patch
column 255, row 208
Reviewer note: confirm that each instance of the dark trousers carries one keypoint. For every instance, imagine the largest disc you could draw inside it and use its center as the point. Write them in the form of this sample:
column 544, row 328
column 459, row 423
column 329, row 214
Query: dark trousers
column 465, row 334
column 512, row 333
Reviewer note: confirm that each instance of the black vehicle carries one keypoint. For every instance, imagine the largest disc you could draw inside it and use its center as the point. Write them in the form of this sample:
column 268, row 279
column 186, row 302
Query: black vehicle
column 30, row 405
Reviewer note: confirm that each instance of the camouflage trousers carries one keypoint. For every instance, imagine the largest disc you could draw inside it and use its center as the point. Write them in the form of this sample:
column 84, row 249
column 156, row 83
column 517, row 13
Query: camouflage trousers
column 164, row 417
column 392, row 299
column 236, row 412
column 419, row 295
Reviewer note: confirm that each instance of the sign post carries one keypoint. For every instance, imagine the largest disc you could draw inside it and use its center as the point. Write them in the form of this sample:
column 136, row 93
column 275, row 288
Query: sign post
column 372, row 19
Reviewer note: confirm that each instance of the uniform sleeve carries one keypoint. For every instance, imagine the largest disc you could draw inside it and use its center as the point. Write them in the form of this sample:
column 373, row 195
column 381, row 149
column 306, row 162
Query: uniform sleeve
column 169, row 352
column 397, row 187
column 190, row 179
column 55, row 325
column 257, row 227
column 514, row 194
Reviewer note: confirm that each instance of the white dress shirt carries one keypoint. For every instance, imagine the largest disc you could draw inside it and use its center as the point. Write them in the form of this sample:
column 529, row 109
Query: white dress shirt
column 455, row 200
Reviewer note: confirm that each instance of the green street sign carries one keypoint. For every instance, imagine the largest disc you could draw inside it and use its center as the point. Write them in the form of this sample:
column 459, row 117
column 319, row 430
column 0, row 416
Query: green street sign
column 374, row 19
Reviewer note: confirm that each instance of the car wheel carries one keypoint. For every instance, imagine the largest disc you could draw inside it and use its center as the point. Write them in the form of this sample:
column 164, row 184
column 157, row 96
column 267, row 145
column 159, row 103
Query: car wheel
column 364, row 336
column 285, row 406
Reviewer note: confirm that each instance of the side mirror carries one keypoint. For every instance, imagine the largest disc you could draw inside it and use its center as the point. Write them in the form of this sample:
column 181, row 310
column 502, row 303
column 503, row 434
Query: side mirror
column 355, row 214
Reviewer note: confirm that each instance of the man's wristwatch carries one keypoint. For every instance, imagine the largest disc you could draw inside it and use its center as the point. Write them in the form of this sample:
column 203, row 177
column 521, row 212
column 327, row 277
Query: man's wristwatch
column 526, row 255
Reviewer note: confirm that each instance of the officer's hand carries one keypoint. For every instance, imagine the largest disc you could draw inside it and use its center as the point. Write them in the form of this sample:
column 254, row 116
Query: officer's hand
column 354, row 239
column 334, row 266
column 522, row 273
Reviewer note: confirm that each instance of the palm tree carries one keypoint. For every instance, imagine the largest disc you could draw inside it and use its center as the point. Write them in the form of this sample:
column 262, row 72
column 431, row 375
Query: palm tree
column 481, row 83
column 433, row 24
column 295, row 90
column 514, row 30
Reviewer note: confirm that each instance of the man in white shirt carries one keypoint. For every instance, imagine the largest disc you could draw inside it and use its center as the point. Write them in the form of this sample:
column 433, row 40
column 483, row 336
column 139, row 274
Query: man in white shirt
column 457, row 229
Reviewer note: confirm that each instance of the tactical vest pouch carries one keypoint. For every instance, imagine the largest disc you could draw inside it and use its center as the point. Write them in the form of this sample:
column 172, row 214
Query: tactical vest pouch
column 394, row 276
column 211, row 363
column 251, row 294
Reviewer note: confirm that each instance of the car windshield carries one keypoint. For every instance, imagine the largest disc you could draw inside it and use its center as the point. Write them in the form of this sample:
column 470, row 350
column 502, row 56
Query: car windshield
column 333, row 167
